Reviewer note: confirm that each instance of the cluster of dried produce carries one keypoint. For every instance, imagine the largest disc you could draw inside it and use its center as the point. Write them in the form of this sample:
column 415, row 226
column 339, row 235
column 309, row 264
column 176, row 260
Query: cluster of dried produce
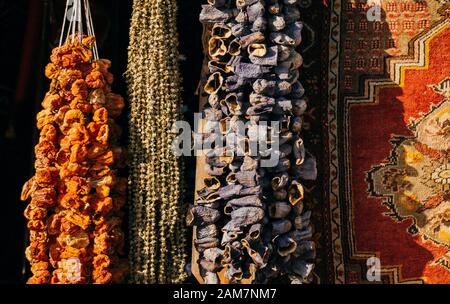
column 250, row 221
column 157, row 231
column 74, row 217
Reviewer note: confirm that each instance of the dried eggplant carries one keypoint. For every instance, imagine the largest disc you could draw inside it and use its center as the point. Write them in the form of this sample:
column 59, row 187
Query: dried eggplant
column 253, row 78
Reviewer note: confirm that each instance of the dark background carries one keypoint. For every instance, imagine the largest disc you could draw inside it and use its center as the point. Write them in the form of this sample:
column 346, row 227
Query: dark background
column 28, row 32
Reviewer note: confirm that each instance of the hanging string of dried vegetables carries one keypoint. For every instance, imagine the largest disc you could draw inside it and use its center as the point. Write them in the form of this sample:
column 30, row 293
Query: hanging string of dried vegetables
column 251, row 224
column 157, row 232
column 75, row 216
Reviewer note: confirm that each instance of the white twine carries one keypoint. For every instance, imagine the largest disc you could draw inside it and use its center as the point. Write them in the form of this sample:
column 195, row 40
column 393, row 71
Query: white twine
column 90, row 27
column 74, row 13
column 64, row 24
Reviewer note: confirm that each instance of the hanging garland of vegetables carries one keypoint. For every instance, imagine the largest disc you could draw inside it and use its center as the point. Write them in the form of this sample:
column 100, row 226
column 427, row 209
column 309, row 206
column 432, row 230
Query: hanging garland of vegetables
column 250, row 219
column 157, row 232
column 74, row 217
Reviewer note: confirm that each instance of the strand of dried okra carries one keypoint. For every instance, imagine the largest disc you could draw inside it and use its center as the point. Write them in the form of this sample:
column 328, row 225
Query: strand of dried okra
column 157, row 231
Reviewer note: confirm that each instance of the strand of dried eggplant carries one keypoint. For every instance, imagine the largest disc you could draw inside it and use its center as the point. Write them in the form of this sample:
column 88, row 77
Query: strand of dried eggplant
column 76, row 194
column 157, row 233
column 249, row 219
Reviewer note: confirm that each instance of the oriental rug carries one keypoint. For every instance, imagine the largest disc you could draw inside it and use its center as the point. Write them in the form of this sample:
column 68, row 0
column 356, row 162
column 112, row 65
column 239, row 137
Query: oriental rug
column 387, row 136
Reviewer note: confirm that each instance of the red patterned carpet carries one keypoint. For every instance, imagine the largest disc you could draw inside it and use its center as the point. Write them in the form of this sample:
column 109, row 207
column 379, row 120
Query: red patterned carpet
column 388, row 142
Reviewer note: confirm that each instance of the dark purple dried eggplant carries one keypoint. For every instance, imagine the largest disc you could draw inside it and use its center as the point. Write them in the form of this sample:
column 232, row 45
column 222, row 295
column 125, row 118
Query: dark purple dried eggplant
column 204, row 215
column 245, row 216
column 253, row 78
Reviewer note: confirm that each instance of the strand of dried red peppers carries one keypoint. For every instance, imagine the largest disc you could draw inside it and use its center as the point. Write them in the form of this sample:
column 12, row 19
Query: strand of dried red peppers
column 75, row 216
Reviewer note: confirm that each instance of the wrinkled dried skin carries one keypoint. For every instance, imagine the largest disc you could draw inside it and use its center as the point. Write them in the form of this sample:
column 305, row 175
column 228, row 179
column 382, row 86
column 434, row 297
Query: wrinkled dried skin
column 285, row 245
column 77, row 240
column 213, row 255
column 44, row 118
column 251, row 200
column 52, row 102
column 33, row 212
column 259, row 255
column 211, row 278
column 302, row 268
column 36, row 252
column 255, row 231
column 221, row 31
column 217, row 48
column 229, row 191
column 212, row 183
column 303, row 220
column 28, row 188
column 253, row 76
column 80, row 104
column 44, row 197
column 210, row 14
column 114, row 104
column 296, row 193
column 49, row 133
column 95, row 80
column 299, row 152
column 208, row 231
column 214, row 83
column 279, row 210
column 247, row 216
column 281, row 226
column 203, row 244
column 234, row 48
column 79, row 220
column 230, row 236
column 234, row 274
column 204, row 215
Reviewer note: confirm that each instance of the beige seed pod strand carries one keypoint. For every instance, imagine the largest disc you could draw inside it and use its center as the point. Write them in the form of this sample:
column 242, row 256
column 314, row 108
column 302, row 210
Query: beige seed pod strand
column 159, row 96
column 180, row 256
column 175, row 91
column 158, row 240
column 150, row 243
column 136, row 153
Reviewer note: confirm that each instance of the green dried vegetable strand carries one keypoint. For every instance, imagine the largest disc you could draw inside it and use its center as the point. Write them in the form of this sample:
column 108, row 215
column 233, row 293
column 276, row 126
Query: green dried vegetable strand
column 157, row 233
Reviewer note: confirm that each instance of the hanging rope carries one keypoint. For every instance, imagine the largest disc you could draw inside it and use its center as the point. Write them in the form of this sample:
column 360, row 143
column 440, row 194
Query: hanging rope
column 75, row 29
